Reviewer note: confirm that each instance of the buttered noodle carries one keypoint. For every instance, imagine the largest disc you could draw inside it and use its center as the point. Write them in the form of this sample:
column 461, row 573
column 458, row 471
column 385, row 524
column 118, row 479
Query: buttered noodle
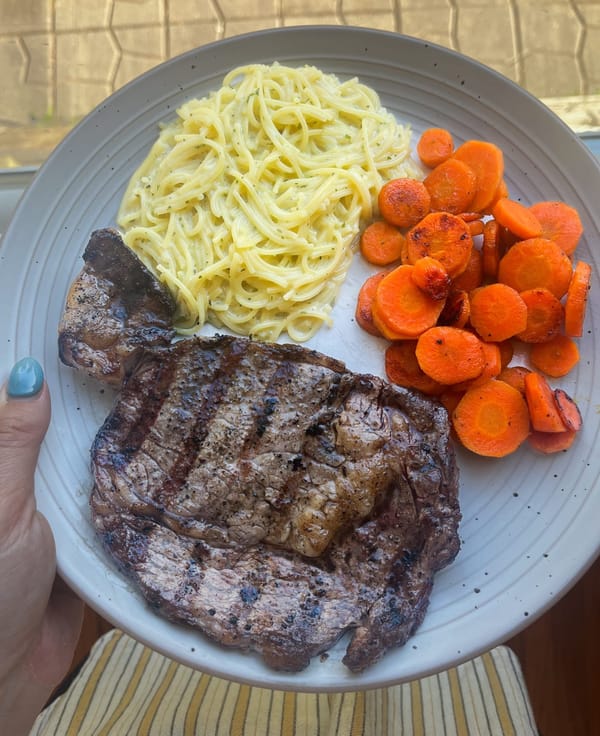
column 248, row 204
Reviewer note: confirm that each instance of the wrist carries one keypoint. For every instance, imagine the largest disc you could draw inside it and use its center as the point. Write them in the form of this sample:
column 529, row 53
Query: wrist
column 21, row 700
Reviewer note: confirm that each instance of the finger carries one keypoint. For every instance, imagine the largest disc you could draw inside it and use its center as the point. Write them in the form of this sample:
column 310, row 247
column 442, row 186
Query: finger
column 24, row 419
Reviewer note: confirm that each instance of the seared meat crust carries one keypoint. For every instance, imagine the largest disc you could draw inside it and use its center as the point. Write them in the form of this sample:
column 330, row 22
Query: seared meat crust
column 113, row 307
column 274, row 499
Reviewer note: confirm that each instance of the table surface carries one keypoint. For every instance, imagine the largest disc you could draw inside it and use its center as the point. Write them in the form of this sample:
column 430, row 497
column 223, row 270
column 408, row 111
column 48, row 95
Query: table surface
column 63, row 58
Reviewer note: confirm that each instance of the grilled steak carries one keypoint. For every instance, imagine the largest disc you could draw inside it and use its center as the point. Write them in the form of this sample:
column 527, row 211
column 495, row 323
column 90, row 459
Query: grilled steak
column 272, row 498
column 113, row 307
column 264, row 494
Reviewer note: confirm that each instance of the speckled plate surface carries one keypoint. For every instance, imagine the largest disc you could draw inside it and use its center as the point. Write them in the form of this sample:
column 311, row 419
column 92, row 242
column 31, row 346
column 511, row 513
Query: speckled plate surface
column 530, row 522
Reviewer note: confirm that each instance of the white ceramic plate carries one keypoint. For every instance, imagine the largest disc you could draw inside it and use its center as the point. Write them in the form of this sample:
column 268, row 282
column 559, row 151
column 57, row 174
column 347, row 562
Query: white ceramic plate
column 530, row 525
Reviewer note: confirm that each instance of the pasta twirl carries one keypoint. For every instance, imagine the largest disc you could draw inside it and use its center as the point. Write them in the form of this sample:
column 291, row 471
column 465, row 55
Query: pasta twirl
column 249, row 203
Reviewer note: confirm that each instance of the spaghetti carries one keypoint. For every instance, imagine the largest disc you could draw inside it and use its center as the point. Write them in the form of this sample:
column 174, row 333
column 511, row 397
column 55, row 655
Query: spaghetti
column 249, row 203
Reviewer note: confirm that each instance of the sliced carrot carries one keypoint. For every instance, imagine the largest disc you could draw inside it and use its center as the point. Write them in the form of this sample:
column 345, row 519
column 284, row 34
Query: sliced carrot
column 506, row 238
column 400, row 309
column 551, row 442
column 492, row 420
column 517, row 218
column 536, row 263
column 364, row 304
column 403, row 202
column 457, row 309
column 472, row 276
column 403, row 369
column 486, row 161
column 381, row 243
column 451, row 186
column 576, row 301
column 435, row 145
column 500, row 193
column 431, row 277
column 470, row 216
column 491, row 249
column 475, row 228
column 545, row 314
column 450, row 354
column 568, row 410
column 497, row 312
column 543, row 410
column 449, row 399
column 560, row 222
column 555, row 357
column 507, row 351
column 514, row 375
column 443, row 236
column 491, row 367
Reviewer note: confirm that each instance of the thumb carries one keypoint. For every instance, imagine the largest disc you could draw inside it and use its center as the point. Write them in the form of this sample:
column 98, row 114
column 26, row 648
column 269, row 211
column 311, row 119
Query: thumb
column 24, row 419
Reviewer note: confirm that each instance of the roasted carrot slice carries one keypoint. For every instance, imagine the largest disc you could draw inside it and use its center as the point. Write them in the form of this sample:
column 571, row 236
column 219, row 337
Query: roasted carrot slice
column 451, row 186
column 536, row 263
column 403, row 202
column 442, row 236
column 507, row 350
column 457, row 309
column 381, row 243
column 500, row 193
column 450, row 354
column 492, row 420
column 449, row 399
column 568, row 410
column 472, row 276
column 470, row 216
column 514, row 375
column 400, row 309
column 560, row 222
column 497, row 312
column 576, row 301
column 545, row 314
column 491, row 249
column 491, row 367
column 555, row 357
column 486, row 161
column 551, row 442
column 431, row 277
column 364, row 304
column 403, row 369
column 543, row 410
column 475, row 227
column 517, row 218
column 435, row 145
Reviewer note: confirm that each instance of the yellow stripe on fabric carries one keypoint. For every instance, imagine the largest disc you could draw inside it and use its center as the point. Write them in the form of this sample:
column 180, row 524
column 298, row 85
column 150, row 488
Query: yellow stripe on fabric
column 458, row 705
column 513, row 680
column 499, row 696
column 238, row 718
column 288, row 716
column 189, row 726
column 358, row 716
column 148, row 719
column 416, row 696
column 128, row 695
column 88, row 693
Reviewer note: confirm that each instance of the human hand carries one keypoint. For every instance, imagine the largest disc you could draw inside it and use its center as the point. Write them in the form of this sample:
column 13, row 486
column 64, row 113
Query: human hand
column 40, row 618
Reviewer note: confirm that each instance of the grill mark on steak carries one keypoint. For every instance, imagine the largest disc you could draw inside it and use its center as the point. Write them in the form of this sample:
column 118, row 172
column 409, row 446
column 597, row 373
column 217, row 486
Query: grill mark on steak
column 200, row 427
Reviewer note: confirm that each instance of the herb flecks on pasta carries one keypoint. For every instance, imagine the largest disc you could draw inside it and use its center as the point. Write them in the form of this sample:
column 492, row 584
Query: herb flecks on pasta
column 249, row 203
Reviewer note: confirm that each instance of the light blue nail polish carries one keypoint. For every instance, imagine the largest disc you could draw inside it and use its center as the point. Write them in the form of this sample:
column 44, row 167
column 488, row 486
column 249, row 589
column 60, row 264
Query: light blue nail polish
column 26, row 379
